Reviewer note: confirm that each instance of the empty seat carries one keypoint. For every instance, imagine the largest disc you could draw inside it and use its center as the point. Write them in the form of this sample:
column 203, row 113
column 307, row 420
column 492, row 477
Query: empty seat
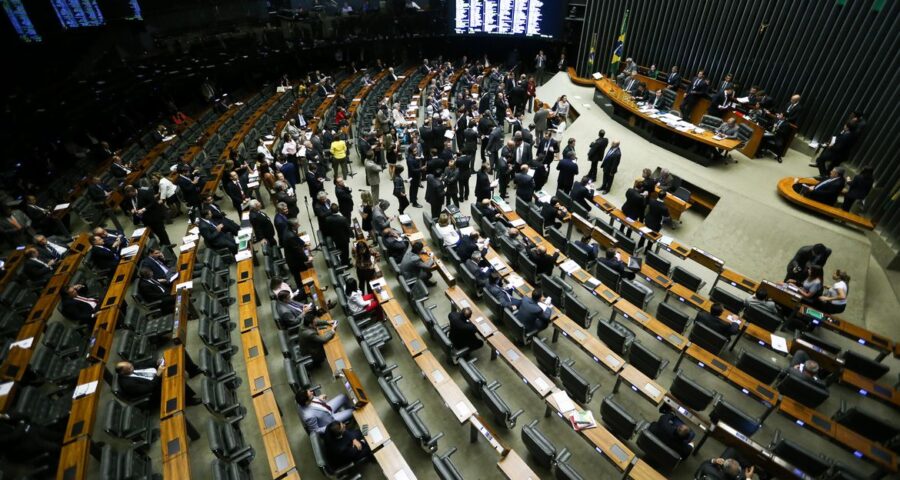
column 152, row 327
column 710, row 122
column 216, row 367
column 820, row 342
column 643, row 358
column 214, row 335
column 615, row 335
column 373, row 356
column 135, row 348
column 297, row 373
column 128, row 463
column 502, row 413
column 392, row 392
column 527, row 269
column 657, row 453
column 631, row 291
column 811, row 463
column 555, row 288
column 764, row 318
column 673, row 318
column 576, row 384
column 617, row 419
column 541, row 448
column 690, row 393
column 730, row 302
column 63, row 340
column 50, row 367
column 220, row 400
column 36, row 406
column 520, row 334
column 687, row 279
column 625, row 242
column 608, row 276
column 730, row 415
column 558, row 239
column 807, row 392
column 868, row 425
column 578, row 311
column 229, row 471
column 757, row 367
column 564, row 471
column 129, row 423
column 864, row 366
column 474, row 378
column 227, row 442
column 547, row 360
column 657, row 263
column 417, row 428
column 444, row 467
column 582, row 257
column 707, row 338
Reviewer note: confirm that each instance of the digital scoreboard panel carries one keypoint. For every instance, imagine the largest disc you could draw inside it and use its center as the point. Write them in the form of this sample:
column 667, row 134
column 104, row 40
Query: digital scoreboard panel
column 527, row 18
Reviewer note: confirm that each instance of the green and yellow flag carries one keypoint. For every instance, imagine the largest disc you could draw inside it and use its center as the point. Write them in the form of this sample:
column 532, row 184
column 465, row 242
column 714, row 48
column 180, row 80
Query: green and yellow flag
column 619, row 49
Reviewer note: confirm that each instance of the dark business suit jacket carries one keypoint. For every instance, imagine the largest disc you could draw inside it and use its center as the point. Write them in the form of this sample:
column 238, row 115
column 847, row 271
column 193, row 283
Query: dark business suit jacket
column 634, row 205
column 262, row 226
column 463, row 334
column 466, row 247
column 37, row 271
column 568, row 170
column 213, row 238
column 544, row 261
column 656, row 212
column 340, row 450
column 104, row 258
column 532, row 316
column 597, row 149
column 664, row 428
column 611, row 160
column 827, row 191
column 524, row 186
column 77, row 311
column 581, row 195
column 189, row 190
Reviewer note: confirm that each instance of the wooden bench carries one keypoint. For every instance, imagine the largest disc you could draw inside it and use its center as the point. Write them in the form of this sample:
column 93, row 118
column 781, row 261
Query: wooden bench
column 786, row 190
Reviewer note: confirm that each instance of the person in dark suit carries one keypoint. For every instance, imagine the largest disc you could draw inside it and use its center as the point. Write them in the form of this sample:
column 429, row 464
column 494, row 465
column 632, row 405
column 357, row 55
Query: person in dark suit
column 836, row 152
column 43, row 218
column 156, row 262
column 711, row 319
column 483, row 183
column 698, row 89
column 547, row 149
column 805, row 368
column 395, row 245
column 235, row 192
column 435, row 192
column 77, row 306
column 720, row 469
column 721, row 103
column 504, row 293
column 806, row 257
column 524, row 184
column 151, row 290
column 463, row 333
column 792, row 110
column 468, row 244
column 656, row 100
column 582, row 194
column 596, row 153
column 858, row 188
column 98, row 192
column 674, row 79
column 218, row 215
column 533, row 312
column 543, row 260
column 344, row 195
column 610, row 166
column 615, row 264
column 344, row 445
column 674, row 433
column 105, row 258
column 263, row 229
column 281, row 221
column 553, row 212
column 214, row 234
column 657, row 212
column 149, row 210
column 494, row 143
column 568, row 169
column 188, row 185
column 140, row 380
column 826, row 191
column 37, row 270
column 47, row 251
column 295, row 254
column 338, row 228
column 522, row 153
column 635, row 202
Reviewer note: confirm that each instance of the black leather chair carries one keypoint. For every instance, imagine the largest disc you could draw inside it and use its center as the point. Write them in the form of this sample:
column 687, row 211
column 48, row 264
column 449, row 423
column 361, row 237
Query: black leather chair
column 811, row 463
column 375, row 333
column 576, row 385
column 827, row 345
column 128, row 463
column 375, row 359
column 297, row 373
column 391, row 388
column 618, row 420
column 630, row 291
column 868, row 425
column 535, row 219
column 578, row 311
column 802, row 390
column 709, row 122
column 564, row 198
column 129, row 423
column 329, row 469
column 474, row 378
column 227, row 442
column 527, row 269
column 498, row 407
column 218, row 368
column 672, row 317
column 687, row 279
column 519, row 333
column 34, row 405
column 217, row 336
column 582, row 257
column 558, row 239
column 134, row 348
column 625, row 242
column 222, row 470
column 731, row 303
column 765, row 319
column 863, row 365
column 657, row 453
column 541, row 448
column 707, row 338
column 608, row 276
column 50, row 367
column 417, row 428
column 615, row 335
column 155, row 328
column 757, row 367
column 690, row 393
column 731, row 415
column 441, row 333
column 493, row 305
column 555, row 288
column 444, row 467
column 221, row 400
column 64, row 341
column 657, row 263
column 645, row 360
column 547, row 360
column 565, row 471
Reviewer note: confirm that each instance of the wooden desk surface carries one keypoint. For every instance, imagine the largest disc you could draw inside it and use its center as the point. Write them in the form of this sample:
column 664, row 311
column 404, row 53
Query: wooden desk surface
column 661, row 331
column 707, row 260
column 449, row 391
column 848, row 329
column 337, row 357
column 278, row 452
column 392, row 463
column 649, row 389
column 84, row 409
column 173, row 382
column 643, row 471
column 737, row 377
column 514, row 467
column 245, row 270
column 73, row 460
column 868, row 387
column 258, row 375
column 527, row 371
column 601, row 439
column 738, row 280
column 589, row 343
column 538, row 240
column 636, row 226
column 481, row 320
column 407, row 332
column 377, row 434
column 173, row 437
column 498, row 263
column 268, row 415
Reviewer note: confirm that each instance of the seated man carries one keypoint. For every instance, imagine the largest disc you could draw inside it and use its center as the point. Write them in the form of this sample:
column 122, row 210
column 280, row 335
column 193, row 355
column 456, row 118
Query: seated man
column 774, row 139
column 110, row 237
column 535, row 312
column 311, row 342
column 673, row 432
column 37, row 270
column 215, row 234
column 544, row 261
column 104, row 257
column 156, row 262
column 806, row 368
column 151, row 290
column 611, row 260
column 516, row 239
column 553, row 212
column 479, row 268
column 290, row 313
column 48, row 250
column 503, row 292
column 586, row 244
column 468, row 245
column 826, row 191
column 78, row 307
column 137, row 382
column 395, row 244
column 488, row 211
column 412, row 266
column 720, row 469
column 344, row 445
column 218, row 216
column 463, row 333
column 761, row 300
column 711, row 319
column 318, row 412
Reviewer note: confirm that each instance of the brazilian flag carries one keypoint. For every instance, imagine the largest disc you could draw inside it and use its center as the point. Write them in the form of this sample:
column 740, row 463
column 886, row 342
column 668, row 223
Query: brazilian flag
column 618, row 51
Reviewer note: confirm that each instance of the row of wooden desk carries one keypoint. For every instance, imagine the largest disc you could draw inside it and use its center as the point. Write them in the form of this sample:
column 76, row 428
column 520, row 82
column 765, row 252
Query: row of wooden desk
column 322, row 109
column 359, row 99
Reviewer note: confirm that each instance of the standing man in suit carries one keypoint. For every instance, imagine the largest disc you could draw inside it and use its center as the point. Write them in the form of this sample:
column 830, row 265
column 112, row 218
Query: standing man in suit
column 98, row 192
column 463, row 333
column 344, row 195
column 263, row 229
column 414, row 167
column 295, row 252
column 281, row 220
column 435, row 191
column 698, row 89
column 534, row 312
column 152, row 290
column 610, row 166
column 774, row 139
column 596, row 153
column 338, row 228
column 189, row 189
column 635, row 202
column 806, row 257
column 523, row 154
column 495, row 143
column 483, row 184
column 673, row 80
column 540, row 64
column 319, row 411
column 540, row 121
column 568, row 169
column 792, row 110
column 835, row 152
column 582, row 194
column 524, row 184
column 657, row 212
column 373, row 175
column 547, row 149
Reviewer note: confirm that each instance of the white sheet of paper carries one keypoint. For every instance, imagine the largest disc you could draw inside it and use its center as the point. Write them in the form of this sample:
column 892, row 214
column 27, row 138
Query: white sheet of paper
column 189, row 239
column 779, row 343
column 243, row 255
column 24, row 344
column 562, row 400
column 188, row 285
column 5, row 388
column 517, row 222
column 130, row 251
column 138, row 232
column 405, row 219
column 84, row 389
column 61, row 206
column 187, row 247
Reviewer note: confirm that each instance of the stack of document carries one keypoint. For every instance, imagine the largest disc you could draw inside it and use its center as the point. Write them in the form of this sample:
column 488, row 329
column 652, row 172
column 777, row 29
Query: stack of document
column 570, row 266
column 129, row 251
column 405, row 219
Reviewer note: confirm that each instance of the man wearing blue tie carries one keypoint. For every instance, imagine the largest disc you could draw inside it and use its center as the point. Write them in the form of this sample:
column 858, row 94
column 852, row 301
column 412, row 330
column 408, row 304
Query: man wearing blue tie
column 156, row 263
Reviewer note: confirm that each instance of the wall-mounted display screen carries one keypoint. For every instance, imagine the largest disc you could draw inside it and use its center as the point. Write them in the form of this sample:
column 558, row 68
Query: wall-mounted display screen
column 529, row 18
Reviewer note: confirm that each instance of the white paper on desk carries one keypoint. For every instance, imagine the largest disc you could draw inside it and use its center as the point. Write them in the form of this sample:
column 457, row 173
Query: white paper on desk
column 187, row 247
column 543, row 196
column 743, row 99
column 24, row 344
column 184, row 285
column 129, row 251
column 593, row 282
column 377, row 283
column 375, row 434
column 405, row 219
column 189, row 239
column 138, row 232
column 5, row 388
column 414, row 237
column 497, row 264
column 385, row 296
column 515, row 281
column 563, row 402
column 645, row 230
column 243, row 255
column 58, row 248
column 84, row 389
column 170, row 137
column 194, row 231
column 517, row 222
column 779, row 343
column 570, row 266
column 305, row 238
column 666, row 240
column 61, row 206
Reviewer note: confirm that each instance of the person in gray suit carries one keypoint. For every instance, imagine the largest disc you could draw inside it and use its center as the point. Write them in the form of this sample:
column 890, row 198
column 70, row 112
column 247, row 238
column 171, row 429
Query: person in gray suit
column 412, row 266
column 380, row 219
column 319, row 411
column 290, row 313
column 373, row 171
column 540, row 121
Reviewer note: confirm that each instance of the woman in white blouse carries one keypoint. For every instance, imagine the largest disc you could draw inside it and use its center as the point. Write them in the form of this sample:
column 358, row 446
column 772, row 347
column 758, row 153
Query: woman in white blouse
column 447, row 231
column 834, row 299
column 359, row 303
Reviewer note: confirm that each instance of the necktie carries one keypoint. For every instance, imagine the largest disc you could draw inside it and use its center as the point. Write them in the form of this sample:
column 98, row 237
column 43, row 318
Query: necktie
column 89, row 301
column 324, row 405
column 15, row 223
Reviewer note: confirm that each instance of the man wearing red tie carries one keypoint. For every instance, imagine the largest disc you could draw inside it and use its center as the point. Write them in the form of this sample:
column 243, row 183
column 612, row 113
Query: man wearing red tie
column 77, row 306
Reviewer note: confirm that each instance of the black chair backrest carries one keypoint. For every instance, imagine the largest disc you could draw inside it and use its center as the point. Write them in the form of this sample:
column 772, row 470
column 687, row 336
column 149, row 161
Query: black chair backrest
column 657, row 263
column 629, row 290
column 707, row 338
column 547, row 359
column 729, row 301
column 864, row 366
column 803, row 390
column 617, row 419
column 645, row 360
column 580, row 255
column 539, row 446
column 557, row 238
column 564, row 471
column 657, row 453
column 826, row 345
column 527, row 268
column 802, row 458
column 535, row 219
column 554, row 288
column 730, row 415
column 690, row 393
column 564, row 198
column 614, row 335
column 624, row 242
column 575, row 384
column 868, row 425
column 686, row 278
column 608, row 276
column 764, row 318
column 758, row 367
column 577, row 311
column 673, row 318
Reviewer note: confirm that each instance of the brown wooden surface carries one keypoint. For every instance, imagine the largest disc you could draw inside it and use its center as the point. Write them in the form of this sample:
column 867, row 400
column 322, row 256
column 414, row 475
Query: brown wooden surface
column 448, row 390
column 524, row 368
column 393, row 464
column 590, row 344
column 73, row 460
column 649, row 389
column 786, row 190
